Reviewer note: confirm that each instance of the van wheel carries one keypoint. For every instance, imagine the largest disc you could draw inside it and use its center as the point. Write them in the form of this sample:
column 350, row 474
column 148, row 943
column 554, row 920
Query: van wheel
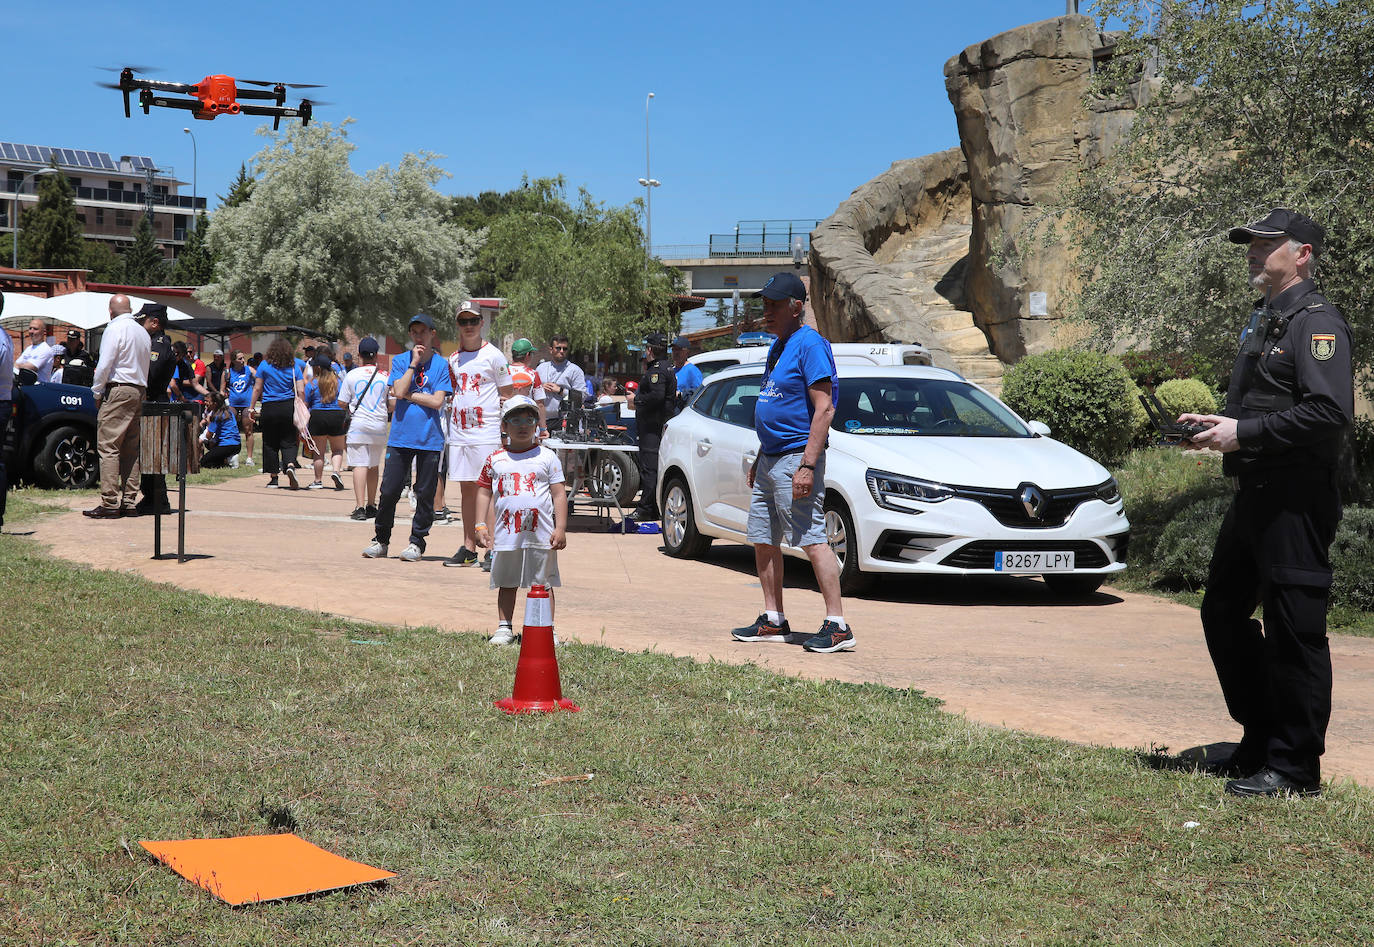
column 843, row 540
column 680, row 536
column 68, row 460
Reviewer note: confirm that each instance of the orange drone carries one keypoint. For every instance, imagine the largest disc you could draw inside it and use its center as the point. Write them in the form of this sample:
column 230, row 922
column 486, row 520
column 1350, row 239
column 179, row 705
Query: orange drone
column 214, row 96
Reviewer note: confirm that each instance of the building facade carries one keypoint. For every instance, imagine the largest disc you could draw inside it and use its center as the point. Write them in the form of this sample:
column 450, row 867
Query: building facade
column 110, row 194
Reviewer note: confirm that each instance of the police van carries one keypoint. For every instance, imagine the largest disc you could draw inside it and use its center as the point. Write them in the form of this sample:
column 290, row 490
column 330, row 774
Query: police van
column 50, row 439
column 846, row 353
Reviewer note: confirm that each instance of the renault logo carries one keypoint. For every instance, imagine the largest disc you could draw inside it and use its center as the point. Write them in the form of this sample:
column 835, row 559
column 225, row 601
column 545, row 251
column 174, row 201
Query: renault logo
column 1033, row 500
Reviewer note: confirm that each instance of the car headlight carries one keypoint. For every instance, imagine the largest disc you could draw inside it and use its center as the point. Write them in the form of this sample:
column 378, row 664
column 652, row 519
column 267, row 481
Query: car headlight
column 1108, row 492
column 895, row 492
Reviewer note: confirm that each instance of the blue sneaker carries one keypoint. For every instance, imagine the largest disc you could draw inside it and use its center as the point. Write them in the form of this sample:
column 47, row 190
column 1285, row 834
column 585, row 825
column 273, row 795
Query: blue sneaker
column 763, row 630
column 830, row 638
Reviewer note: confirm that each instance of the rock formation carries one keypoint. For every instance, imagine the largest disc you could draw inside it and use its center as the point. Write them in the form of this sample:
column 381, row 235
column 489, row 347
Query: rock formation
column 888, row 264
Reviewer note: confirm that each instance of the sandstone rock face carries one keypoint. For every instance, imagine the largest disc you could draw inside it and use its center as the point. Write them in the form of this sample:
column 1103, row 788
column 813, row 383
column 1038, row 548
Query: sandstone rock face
column 888, row 265
column 1018, row 98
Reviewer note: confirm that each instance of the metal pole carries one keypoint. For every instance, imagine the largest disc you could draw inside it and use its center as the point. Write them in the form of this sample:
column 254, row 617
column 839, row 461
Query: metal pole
column 14, row 214
column 195, row 174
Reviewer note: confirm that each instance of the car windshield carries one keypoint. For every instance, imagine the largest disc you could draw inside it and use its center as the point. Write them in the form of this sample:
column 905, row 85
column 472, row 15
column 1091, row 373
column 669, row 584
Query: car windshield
column 932, row 407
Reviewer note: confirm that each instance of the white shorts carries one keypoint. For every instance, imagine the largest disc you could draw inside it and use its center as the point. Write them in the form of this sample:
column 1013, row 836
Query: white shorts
column 523, row 567
column 465, row 461
column 365, row 455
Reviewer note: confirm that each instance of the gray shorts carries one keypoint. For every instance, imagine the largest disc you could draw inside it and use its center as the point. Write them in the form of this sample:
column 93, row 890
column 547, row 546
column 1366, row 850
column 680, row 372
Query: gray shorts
column 523, row 567
column 775, row 517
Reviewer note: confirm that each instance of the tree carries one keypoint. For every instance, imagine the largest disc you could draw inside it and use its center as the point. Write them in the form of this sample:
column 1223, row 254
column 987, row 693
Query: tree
column 1244, row 106
column 319, row 246
column 144, row 264
column 580, row 270
column 105, row 264
column 195, row 266
column 240, row 191
column 50, row 237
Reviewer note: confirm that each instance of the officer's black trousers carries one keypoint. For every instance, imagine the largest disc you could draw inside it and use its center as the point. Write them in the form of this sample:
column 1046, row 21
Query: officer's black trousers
column 1272, row 550
column 648, row 468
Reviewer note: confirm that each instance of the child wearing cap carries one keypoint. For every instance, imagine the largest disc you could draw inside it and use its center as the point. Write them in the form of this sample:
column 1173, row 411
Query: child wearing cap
column 524, row 379
column 522, row 513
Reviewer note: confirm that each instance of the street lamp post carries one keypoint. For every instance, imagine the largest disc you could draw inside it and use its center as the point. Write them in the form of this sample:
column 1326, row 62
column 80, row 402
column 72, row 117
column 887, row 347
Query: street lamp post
column 14, row 214
column 195, row 174
column 648, row 183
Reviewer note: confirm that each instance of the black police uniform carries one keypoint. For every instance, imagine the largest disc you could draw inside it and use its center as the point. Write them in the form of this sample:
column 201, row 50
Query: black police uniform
column 1291, row 391
column 161, row 365
column 78, row 368
column 653, row 407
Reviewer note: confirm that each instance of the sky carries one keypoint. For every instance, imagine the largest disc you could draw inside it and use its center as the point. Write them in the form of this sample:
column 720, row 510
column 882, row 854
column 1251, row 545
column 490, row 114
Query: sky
column 760, row 111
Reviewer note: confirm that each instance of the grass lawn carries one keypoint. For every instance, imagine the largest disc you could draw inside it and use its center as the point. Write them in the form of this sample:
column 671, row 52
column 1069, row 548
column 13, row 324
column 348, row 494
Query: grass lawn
column 729, row 805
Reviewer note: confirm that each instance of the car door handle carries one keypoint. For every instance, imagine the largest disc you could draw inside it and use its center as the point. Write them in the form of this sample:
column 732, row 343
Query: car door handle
column 704, row 444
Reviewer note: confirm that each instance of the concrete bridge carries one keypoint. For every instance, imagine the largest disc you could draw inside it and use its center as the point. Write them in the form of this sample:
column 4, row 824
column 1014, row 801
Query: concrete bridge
column 717, row 277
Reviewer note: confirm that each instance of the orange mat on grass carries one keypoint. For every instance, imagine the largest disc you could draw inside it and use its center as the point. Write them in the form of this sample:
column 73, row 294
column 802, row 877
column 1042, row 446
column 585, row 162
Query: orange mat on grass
column 254, row 868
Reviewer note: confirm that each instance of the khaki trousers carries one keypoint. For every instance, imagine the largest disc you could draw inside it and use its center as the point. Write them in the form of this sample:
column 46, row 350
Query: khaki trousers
column 117, row 431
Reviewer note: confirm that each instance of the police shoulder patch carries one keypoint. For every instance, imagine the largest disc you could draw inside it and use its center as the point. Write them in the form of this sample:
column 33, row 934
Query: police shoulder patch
column 1323, row 346
column 653, row 379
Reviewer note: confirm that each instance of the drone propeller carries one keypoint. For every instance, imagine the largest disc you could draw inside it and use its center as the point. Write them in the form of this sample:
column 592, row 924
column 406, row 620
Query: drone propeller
column 270, row 85
column 148, row 69
column 109, row 85
column 314, row 102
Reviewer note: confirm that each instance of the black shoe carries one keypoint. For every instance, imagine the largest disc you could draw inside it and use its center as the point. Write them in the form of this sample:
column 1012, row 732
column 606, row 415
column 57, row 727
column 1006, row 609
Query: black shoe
column 291, row 478
column 148, row 509
column 1236, row 766
column 104, row 513
column 830, row 638
column 1269, row 782
column 764, row 630
column 463, row 557
column 360, row 514
column 645, row 516
column 371, row 512
column 338, row 481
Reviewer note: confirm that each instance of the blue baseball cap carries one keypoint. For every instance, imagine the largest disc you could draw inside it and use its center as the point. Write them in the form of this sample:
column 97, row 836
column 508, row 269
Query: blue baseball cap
column 423, row 319
column 681, row 342
column 783, row 285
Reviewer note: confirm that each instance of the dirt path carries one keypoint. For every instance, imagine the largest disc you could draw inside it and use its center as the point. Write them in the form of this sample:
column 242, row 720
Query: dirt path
column 1122, row 669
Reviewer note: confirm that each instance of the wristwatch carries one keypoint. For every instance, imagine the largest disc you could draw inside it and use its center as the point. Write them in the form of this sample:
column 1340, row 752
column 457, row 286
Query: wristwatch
column 810, row 467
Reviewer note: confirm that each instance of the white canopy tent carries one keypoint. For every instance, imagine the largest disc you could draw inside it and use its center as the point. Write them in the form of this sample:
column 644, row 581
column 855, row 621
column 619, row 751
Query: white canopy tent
column 84, row 310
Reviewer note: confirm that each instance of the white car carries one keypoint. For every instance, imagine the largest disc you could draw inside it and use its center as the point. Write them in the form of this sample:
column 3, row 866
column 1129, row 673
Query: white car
column 925, row 473
column 846, row 353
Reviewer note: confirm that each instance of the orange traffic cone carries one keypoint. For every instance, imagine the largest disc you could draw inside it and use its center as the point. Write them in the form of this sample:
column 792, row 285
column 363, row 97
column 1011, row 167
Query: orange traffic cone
column 537, row 688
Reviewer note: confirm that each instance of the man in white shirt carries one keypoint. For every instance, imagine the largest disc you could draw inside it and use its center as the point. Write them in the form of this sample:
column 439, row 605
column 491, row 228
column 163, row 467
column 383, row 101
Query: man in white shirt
column 38, row 356
column 121, row 381
column 6, row 404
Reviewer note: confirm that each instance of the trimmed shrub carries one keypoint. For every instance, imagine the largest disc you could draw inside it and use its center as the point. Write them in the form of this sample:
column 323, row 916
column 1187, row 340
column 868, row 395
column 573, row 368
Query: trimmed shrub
column 1184, row 550
column 1351, row 554
column 1085, row 398
column 1186, row 395
column 1142, row 431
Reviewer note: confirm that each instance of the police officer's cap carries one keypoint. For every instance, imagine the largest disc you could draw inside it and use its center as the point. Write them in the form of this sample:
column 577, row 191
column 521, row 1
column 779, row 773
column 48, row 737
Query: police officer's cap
column 656, row 340
column 1281, row 222
column 157, row 310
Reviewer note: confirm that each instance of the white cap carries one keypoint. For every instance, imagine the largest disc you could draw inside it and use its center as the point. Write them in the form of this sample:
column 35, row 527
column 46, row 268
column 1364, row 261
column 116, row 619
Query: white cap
column 518, row 403
column 469, row 306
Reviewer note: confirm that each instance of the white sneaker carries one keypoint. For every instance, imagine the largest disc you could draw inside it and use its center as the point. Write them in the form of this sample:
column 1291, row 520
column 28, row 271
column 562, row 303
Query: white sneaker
column 375, row 551
column 505, row 634
column 315, row 485
column 234, row 462
column 250, row 461
column 411, row 498
column 412, row 553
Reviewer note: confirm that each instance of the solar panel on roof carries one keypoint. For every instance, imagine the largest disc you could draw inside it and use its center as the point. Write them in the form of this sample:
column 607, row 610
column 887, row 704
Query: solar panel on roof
column 83, row 158
column 68, row 157
column 6, row 150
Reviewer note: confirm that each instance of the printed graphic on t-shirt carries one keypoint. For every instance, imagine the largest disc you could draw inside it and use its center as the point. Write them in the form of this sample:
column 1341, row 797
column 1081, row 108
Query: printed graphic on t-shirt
column 519, row 487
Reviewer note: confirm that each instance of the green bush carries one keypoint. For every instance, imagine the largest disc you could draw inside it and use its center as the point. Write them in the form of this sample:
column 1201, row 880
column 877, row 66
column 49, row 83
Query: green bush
column 1184, row 549
column 1156, row 483
column 1142, row 431
column 1351, row 554
column 1186, row 395
column 1085, row 398
column 1151, row 369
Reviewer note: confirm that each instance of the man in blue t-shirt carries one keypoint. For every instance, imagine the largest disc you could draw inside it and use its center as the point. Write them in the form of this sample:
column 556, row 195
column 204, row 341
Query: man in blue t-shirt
column 420, row 382
column 688, row 375
column 792, row 419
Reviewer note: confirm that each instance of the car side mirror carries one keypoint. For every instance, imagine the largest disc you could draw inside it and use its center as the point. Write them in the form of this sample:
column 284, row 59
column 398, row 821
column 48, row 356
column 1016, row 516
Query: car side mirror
column 1039, row 428
column 24, row 377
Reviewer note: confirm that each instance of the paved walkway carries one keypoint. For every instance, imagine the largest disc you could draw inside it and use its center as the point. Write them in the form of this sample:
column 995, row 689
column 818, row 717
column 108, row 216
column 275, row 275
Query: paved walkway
column 1122, row 669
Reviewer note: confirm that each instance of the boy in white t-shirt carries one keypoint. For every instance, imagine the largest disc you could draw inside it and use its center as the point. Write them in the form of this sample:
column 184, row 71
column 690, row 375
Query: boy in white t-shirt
column 526, row 522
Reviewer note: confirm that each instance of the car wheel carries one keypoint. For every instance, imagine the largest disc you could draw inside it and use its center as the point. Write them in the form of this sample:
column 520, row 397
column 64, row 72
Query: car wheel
column 680, row 536
column 840, row 534
column 1074, row 585
column 68, row 460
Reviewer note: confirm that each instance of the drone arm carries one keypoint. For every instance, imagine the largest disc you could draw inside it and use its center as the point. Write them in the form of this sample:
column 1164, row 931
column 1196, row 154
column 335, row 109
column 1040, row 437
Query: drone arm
column 191, row 105
column 181, row 88
column 255, row 94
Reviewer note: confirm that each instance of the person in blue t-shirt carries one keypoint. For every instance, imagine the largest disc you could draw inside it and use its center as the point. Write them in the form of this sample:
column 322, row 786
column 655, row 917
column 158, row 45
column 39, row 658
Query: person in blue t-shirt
column 278, row 382
column 420, row 383
column 326, row 420
column 238, row 385
column 688, row 375
column 792, row 419
column 220, row 433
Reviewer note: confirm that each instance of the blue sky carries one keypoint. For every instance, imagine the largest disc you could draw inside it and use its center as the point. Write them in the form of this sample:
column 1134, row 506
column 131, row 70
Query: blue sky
column 760, row 110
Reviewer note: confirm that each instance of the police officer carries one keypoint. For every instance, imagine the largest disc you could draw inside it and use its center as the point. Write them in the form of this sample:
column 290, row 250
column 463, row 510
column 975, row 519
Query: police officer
column 654, row 405
column 161, row 365
column 1289, row 401
column 78, row 365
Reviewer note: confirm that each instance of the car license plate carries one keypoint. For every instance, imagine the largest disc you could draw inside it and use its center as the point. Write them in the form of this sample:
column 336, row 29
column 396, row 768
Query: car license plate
column 1033, row 562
